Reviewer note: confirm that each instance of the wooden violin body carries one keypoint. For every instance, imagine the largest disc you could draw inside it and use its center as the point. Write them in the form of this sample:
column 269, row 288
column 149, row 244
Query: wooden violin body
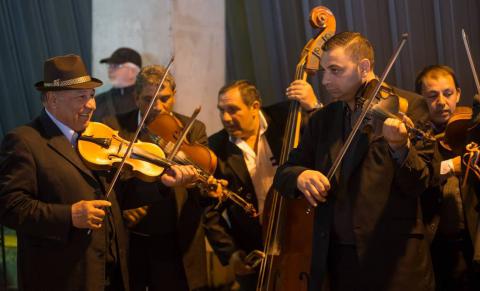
column 165, row 130
column 455, row 136
column 102, row 148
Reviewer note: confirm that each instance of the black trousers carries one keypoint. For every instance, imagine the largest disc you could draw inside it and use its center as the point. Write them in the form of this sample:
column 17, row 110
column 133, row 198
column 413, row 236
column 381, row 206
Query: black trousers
column 453, row 266
column 343, row 268
column 248, row 282
column 155, row 262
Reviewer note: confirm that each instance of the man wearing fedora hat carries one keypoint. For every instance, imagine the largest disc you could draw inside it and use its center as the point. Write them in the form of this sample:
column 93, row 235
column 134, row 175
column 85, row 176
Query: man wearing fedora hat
column 70, row 236
column 123, row 67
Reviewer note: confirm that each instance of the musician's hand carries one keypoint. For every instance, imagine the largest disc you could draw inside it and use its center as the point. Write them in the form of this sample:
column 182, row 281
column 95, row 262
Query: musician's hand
column 133, row 216
column 237, row 261
column 89, row 214
column 395, row 133
column 314, row 186
column 215, row 187
column 179, row 176
column 302, row 92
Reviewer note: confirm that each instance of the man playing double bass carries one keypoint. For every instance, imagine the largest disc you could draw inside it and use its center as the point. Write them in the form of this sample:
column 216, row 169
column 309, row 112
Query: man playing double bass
column 449, row 209
column 368, row 231
column 248, row 150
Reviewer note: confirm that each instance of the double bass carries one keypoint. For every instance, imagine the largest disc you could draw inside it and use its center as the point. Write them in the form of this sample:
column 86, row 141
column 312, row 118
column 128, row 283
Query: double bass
column 288, row 229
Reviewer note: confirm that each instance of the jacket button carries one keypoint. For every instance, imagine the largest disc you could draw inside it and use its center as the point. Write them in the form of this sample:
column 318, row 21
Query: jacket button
column 249, row 196
column 323, row 234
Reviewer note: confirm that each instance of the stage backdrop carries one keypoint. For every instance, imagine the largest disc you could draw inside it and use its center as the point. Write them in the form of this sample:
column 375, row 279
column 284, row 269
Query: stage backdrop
column 31, row 32
column 263, row 41
column 266, row 37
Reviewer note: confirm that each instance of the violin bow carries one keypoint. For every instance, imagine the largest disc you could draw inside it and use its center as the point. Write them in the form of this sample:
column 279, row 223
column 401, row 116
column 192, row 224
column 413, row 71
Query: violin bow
column 137, row 132
column 185, row 130
column 470, row 60
column 472, row 148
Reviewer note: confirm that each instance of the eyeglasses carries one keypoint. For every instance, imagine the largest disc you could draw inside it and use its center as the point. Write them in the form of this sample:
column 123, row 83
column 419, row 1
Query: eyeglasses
column 115, row 66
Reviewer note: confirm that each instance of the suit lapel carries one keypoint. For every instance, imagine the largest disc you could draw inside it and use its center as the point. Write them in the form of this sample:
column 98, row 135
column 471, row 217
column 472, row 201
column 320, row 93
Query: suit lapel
column 336, row 138
column 354, row 155
column 59, row 144
column 236, row 162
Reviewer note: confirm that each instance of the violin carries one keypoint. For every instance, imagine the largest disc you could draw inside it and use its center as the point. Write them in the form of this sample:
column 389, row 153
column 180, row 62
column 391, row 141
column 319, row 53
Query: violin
column 461, row 128
column 166, row 129
column 102, row 148
column 455, row 136
column 388, row 104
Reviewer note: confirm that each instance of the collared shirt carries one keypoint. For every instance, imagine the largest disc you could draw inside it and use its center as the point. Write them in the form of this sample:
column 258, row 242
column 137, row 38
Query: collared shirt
column 67, row 131
column 260, row 164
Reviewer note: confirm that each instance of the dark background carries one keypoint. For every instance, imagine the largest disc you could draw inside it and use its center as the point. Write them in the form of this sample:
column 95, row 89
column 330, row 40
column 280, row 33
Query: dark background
column 264, row 39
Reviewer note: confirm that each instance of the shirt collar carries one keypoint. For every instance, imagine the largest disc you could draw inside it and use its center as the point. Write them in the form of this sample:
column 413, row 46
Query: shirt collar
column 67, row 131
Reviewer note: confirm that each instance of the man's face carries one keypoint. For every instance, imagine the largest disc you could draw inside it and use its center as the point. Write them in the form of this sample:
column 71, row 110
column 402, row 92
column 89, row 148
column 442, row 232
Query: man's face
column 121, row 75
column 341, row 75
column 441, row 97
column 73, row 108
column 163, row 103
column 238, row 119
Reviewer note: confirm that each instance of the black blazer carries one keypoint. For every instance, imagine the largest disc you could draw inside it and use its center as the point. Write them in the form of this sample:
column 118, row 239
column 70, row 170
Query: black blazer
column 433, row 197
column 387, row 220
column 242, row 232
column 189, row 207
column 41, row 176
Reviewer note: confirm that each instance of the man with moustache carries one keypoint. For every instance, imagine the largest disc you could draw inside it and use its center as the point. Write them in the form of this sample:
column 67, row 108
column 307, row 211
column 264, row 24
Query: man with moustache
column 449, row 210
column 167, row 244
column 70, row 236
column 248, row 149
column 368, row 231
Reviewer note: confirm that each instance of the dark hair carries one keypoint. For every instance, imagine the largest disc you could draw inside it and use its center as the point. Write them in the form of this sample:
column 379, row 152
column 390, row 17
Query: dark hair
column 434, row 71
column 152, row 75
column 355, row 44
column 248, row 91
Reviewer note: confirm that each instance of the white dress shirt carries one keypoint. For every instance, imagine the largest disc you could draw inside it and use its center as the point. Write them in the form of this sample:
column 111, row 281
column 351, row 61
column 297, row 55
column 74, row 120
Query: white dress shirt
column 261, row 165
column 69, row 133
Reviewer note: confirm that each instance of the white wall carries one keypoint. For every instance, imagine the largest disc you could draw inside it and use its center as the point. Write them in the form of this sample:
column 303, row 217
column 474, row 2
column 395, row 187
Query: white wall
column 194, row 30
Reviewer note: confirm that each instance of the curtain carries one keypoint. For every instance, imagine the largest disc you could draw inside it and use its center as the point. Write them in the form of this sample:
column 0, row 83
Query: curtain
column 33, row 31
column 266, row 37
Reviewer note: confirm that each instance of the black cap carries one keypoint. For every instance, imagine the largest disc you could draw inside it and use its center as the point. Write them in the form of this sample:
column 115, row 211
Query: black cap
column 124, row 55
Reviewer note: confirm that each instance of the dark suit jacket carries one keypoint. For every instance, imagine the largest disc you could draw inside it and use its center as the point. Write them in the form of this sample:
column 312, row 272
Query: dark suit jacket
column 243, row 232
column 41, row 176
column 433, row 198
column 187, row 225
column 114, row 101
column 387, row 220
